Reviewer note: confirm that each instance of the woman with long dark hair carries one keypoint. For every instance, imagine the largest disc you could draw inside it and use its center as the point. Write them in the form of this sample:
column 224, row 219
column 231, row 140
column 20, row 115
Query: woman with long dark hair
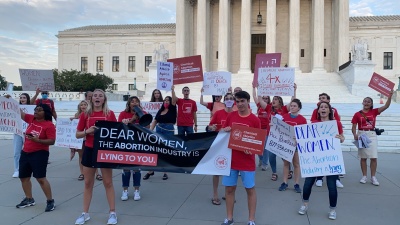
column 365, row 120
column 40, row 134
column 156, row 96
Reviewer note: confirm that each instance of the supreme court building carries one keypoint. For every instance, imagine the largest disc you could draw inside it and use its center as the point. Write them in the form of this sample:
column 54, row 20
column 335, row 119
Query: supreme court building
column 314, row 36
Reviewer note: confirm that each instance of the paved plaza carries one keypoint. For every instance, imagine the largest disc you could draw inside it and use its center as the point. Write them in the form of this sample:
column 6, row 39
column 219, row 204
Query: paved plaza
column 186, row 199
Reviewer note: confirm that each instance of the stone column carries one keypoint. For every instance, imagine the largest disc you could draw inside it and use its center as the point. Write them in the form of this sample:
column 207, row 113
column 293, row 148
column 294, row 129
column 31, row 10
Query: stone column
column 245, row 37
column 342, row 32
column 181, row 30
column 294, row 34
column 223, row 35
column 271, row 27
column 202, row 20
column 318, row 36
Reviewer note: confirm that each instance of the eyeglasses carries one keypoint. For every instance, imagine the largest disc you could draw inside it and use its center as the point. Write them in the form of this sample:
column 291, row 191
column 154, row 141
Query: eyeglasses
column 45, row 93
column 38, row 110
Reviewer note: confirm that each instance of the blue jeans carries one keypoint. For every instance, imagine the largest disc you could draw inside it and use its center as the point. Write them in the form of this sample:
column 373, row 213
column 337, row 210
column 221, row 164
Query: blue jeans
column 331, row 183
column 18, row 142
column 185, row 130
column 272, row 161
column 264, row 157
column 126, row 176
column 165, row 128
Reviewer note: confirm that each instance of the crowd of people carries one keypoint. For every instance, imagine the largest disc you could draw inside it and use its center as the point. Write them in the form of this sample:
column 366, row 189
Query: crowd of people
column 31, row 153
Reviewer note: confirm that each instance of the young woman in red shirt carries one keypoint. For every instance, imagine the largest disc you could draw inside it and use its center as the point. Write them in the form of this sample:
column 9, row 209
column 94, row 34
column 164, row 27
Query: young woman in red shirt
column 98, row 110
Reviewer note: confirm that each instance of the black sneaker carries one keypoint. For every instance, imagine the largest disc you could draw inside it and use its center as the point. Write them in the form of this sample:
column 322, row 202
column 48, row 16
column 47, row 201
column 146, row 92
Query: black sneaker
column 26, row 202
column 50, row 205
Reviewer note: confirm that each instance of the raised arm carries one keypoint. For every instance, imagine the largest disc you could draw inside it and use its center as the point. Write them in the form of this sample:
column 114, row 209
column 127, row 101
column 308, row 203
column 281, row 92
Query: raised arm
column 201, row 98
column 293, row 97
column 33, row 99
column 174, row 98
column 387, row 104
column 255, row 97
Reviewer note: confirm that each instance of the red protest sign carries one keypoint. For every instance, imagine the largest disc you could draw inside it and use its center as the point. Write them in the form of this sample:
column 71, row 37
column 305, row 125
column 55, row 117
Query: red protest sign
column 381, row 84
column 187, row 69
column 127, row 158
column 264, row 61
column 250, row 139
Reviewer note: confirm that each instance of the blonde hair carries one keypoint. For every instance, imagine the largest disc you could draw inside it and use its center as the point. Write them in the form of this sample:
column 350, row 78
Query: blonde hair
column 105, row 108
column 79, row 112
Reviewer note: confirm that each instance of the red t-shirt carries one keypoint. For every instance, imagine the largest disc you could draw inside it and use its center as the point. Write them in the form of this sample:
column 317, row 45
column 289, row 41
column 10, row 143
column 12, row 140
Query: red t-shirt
column 339, row 125
column 263, row 116
column 219, row 118
column 86, row 121
column 315, row 114
column 282, row 111
column 48, row 102
column 186, row 108
column 359, row 119
column 298, row 120
column 241, row 160
column 128, row 115
column 43, row 129
column 215, row 106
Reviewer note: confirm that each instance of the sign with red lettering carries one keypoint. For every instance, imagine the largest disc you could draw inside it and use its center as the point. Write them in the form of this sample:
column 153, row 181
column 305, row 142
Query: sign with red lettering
column 151, row 107
column 381, row 84
column 249, row 139
column 276, row 81
column 127, row 158
column 216, row 83
column 187, row 69
column 266, row 61
column 32, row 79
column 10, row 116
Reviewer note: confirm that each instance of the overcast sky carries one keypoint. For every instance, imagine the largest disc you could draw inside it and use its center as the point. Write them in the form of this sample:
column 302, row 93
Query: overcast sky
column 28, row 27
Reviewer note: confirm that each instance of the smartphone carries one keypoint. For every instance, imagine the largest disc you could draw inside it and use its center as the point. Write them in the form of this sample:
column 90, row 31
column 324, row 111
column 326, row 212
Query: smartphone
column 30, row 135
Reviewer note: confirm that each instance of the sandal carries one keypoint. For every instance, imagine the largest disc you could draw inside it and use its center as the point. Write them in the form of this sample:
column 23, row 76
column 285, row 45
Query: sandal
column 216, row 201
column 147, row 175
column 99, row 177
column 81, row 177
column 165, row 177
column 290, row 175
column 274, row 177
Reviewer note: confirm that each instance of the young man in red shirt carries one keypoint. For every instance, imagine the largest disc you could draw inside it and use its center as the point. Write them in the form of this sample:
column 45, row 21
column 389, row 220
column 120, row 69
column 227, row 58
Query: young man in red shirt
column 44, row 100
column 187, row 109
column 243, row 162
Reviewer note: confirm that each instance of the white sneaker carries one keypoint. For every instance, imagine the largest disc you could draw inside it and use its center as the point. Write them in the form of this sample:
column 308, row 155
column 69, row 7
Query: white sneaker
column 15, row 174
column 339, row 184
column 124, row 196
column 363, row 180
column 374, row 181
column 332, row 215
column 303, row 209
column 112, row 219
column 82, row 219
column 136, row 195
column 318, row 183
column 264, row 168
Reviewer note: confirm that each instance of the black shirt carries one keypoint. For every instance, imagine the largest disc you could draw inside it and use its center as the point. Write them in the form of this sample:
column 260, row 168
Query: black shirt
column 169, row 117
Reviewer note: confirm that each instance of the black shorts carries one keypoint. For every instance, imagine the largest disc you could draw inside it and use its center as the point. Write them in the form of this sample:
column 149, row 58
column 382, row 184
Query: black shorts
column 89, row 159
column 33, row 163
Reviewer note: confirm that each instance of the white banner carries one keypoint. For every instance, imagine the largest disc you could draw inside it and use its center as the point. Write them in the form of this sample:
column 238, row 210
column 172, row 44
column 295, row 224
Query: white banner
column 281, row 140
column 165, row 75
column 32, row 79
column 277, row 81
column 217, row 160
column 320, row 153
column 29, row 109
column 151, row 107
column 10, row 116
column 66, row 130
column 216, row 82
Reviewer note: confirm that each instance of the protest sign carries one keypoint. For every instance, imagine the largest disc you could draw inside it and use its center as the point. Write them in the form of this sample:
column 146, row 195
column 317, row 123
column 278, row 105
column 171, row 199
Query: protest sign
column 276, row 81
column 320, row 153
column 120, row 146
column 266, row 61
column 216, row 83
column 32, row 79
column 65, row 136
column 10, row 116
column 29, row 109
column 249, row 139
column 281, row 140
column 151, row 107
column 165, row 75
column 381, row 84
column 187, row 69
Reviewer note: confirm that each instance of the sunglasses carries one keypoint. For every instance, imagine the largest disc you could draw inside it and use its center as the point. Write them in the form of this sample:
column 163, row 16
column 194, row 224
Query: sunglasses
column 45, row 93
column 38, row 110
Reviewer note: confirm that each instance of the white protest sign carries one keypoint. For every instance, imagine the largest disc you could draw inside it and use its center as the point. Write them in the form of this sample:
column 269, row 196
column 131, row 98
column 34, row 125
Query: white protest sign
column 277, row 81
column 10, row 116
column 151, row 107
column 32, row 79
column 165, row 75
column 281, row 140
column 216, row 82
column 29, row 109
column 320, row 153
column 65, row 136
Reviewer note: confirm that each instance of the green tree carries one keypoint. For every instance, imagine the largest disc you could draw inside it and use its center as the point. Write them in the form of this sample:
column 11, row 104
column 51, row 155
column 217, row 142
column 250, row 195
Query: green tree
column 3, row 83
column 74, row 80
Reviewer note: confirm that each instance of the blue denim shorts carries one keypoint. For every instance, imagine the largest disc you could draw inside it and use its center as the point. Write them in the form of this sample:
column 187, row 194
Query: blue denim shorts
column 248, row 178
